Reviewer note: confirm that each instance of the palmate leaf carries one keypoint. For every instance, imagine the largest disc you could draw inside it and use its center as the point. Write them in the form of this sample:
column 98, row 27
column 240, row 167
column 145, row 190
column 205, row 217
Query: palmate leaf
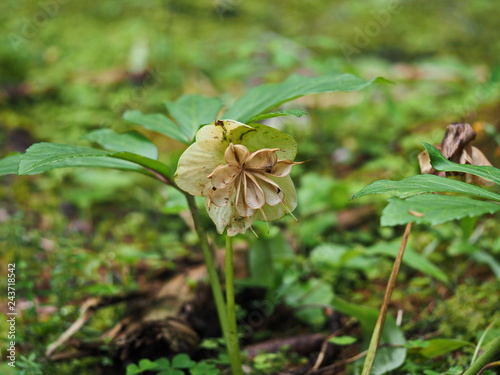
column 182, row 360
column 440, row 163
column 191, row 111
column 433, row 209
column 133, row 142
column 265, row 97
column 42, row 157
column 289, row 112
column 425, row 183
column 9, row 164
column 157, row 122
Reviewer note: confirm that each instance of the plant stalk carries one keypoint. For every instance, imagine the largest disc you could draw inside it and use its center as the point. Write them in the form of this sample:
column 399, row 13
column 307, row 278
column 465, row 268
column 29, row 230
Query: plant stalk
column 233, row 346
column 377, row 332
column 162, row 173
column 491, row 354
column 213, row 277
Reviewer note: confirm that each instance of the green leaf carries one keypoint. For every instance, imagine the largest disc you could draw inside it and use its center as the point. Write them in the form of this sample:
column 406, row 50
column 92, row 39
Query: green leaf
column 265, row 97
column 42, row 157
column 150, row 164
column 265, row 255
column 191, row 111
column 440, row 163
column 311, row 292
column 328, row 257
column 388, row 358
column 9, row 164
column 411, row 259
column 268, row 137
column 289, row 112
column 489, row 260
column 133, row 142
column 157, row 122
column 436, row 209
column 343, row 340
column 426, row 183
column 146, row 364
column 171, row 371
column 182, row 361
column 439, row 347
column 133, row 369
column 204, row 368
column 161, row 363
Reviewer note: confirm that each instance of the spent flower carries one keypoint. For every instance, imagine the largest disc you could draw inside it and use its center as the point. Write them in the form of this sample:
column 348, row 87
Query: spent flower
column 242, row 171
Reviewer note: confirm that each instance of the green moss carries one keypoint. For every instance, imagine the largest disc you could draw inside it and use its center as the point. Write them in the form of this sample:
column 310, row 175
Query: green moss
column 469, row 311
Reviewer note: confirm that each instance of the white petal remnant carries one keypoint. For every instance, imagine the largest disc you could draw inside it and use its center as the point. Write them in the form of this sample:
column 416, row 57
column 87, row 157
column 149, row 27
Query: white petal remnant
column 243, row 173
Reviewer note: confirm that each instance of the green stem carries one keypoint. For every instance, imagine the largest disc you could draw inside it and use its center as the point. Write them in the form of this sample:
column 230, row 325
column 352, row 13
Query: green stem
column 233, row 346
column 377, row 332
column 489, row 365
column 160, row 170
column 491, row 354
column 227, row 318
column 229, row 330
column 213, row 277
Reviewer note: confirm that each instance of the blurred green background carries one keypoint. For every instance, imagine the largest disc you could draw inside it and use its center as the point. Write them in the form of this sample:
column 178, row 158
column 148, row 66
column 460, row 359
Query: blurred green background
column 68, row 67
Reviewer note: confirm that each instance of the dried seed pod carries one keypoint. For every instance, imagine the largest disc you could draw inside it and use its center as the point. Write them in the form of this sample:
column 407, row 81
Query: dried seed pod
column 456, row 147
column 242, row 171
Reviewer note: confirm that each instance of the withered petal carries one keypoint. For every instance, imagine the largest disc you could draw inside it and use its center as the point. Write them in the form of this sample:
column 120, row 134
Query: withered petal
column 254, row 196
column 271, row 189
column 236, row 154
column 282, row 168
column 242, row 208
column 262, row 159
column 224, row 175
column 474, row 156
column 288, row 204
column 221, row 197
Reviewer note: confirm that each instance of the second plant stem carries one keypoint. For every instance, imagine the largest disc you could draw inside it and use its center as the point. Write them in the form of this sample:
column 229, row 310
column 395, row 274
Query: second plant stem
column 377, row 332
column 227, row 315
column 233, row 345
column 491, row 353
column 213, row 277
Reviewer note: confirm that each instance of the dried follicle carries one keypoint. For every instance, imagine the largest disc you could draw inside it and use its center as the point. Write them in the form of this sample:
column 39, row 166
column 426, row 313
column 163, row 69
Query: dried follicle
column 247, row 178
column 456, row 147
column 243, row 172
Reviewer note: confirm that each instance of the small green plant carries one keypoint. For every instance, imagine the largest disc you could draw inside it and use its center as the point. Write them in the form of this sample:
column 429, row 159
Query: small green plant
column 241, row 167
column 470, row 310
column 176, row 366
column 268, row 363
column 28, row 365
column 414, row 201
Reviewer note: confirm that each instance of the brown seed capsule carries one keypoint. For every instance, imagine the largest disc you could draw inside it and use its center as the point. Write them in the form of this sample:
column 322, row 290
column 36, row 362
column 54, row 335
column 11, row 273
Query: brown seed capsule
column 456, row 147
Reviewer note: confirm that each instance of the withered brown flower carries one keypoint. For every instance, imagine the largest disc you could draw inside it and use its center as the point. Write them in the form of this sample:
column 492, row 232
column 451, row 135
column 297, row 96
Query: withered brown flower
column 456, row 147
column 249, row 177
column 243, row 173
